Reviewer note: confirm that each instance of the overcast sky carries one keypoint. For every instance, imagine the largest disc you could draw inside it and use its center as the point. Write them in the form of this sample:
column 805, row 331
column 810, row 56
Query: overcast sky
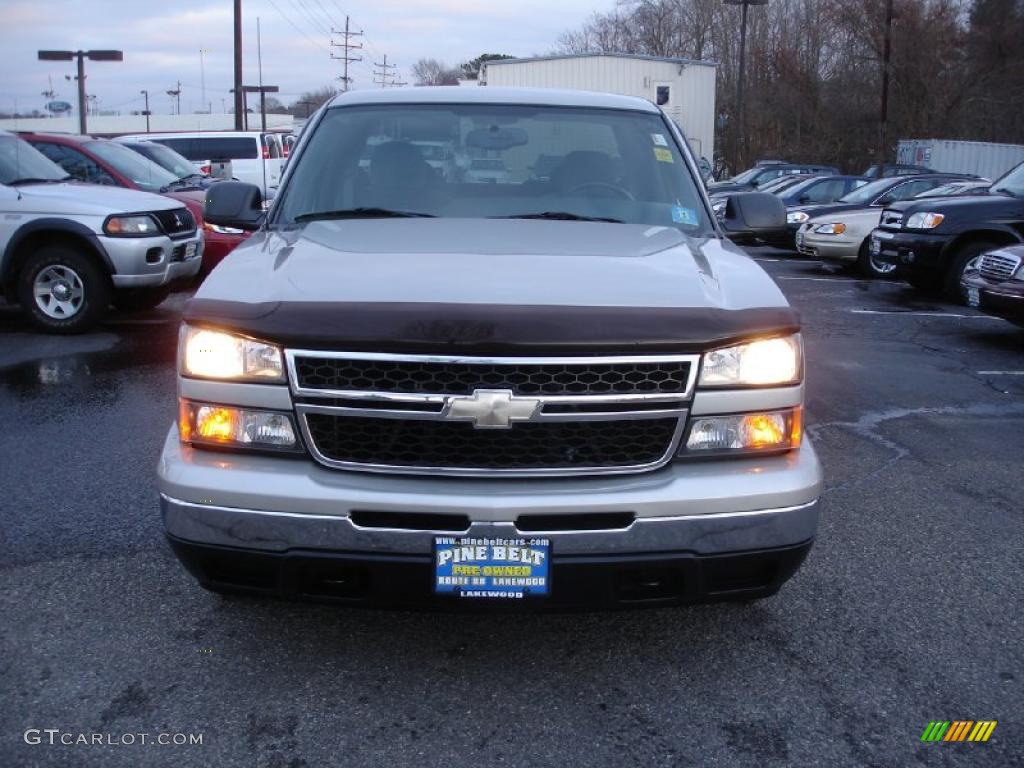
column 162, row 40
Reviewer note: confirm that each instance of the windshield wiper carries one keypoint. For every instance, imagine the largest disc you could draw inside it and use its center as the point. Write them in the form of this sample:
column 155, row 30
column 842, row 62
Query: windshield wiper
column 363, row 213
column 559, row 216
column 16, row 182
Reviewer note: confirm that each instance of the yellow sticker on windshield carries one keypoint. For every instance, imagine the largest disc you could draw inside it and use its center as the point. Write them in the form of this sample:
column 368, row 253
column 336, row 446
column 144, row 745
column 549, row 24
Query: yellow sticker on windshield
column 663, row 155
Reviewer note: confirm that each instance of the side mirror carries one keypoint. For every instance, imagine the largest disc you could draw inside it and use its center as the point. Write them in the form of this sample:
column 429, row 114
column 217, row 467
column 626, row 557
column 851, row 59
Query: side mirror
column 753, row 215
column 234, row 204
column 804, row 199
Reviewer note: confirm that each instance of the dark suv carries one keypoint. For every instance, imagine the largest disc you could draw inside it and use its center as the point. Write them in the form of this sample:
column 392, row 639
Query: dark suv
column 936, row 241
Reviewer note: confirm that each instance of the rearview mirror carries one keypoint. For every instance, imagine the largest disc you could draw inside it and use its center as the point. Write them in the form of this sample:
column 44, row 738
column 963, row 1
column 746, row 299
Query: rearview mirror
column 496, row 137
column 234, row 204
column 753, row 215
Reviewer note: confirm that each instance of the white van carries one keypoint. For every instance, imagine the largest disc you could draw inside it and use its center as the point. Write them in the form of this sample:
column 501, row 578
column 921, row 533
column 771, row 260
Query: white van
column 255, row 157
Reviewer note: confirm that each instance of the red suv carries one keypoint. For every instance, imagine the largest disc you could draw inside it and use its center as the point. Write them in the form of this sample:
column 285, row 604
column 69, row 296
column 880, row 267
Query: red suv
column 101, row 161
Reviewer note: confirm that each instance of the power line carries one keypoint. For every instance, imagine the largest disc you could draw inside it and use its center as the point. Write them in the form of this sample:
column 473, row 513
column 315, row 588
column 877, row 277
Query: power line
column 296, row 27
column 348, row 46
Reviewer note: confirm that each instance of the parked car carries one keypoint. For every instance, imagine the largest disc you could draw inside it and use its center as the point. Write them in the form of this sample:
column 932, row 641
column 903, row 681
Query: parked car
column 875, row 194
column 846, row 236
column 69, row 250
column 818, row 190
column 755, row 178
column 255, row 157
column 895, row 169
column 540, row 392
column 996, row 284
column 167, row 158
column 720, row 200
column 936, row 242
column 102, row 161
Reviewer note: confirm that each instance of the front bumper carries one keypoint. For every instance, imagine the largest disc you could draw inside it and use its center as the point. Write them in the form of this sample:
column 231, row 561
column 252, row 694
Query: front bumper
column 831, row 247
column 914, row 252
column 712, row 529
column 149, row 262
column 1003, row 299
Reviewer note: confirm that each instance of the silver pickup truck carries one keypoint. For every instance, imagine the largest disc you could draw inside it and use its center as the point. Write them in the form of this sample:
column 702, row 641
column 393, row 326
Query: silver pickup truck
column 545, row 389
column 69, row 250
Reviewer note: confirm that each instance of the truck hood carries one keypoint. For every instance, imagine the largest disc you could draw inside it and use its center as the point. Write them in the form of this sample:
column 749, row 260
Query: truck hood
column 989, row 204
column 485, row 283
column 71, row 198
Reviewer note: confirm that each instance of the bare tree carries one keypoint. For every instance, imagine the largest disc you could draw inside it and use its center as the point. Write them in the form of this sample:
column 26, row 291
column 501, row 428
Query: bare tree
column 434, row 72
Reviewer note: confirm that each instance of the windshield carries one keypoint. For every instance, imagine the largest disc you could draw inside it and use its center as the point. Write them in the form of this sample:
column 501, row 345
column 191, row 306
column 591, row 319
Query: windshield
column 870, row 191
column 20, row 160
column 143, row 172
column 1012, row 183
column 166, row 158
column 502, row 161
column 747, row 176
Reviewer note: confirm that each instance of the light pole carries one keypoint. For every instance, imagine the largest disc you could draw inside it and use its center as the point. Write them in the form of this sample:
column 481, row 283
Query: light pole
column 146, row 111
column 739, row 132
column 81, row 56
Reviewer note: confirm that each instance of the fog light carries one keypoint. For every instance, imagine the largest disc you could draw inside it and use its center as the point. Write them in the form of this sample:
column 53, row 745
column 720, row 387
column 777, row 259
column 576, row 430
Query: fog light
column 750, row 432
column 199, row 423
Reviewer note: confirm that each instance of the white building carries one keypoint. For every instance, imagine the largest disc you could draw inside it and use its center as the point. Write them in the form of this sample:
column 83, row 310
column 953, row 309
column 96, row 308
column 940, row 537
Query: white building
column 684, row 88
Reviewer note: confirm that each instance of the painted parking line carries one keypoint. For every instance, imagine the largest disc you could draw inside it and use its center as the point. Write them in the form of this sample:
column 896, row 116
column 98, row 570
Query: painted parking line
column 922, row 314
column 823, row 279
column 1000, row 373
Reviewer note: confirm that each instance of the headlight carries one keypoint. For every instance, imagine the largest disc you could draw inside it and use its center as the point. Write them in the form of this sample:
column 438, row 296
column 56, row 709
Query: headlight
column 210, row 354
column 765, row 361
column 924, row 220
column 797, row 217
column 131, row 225
column 830, row 229
column 205, row 424
column 746, row 432
column 221, row 230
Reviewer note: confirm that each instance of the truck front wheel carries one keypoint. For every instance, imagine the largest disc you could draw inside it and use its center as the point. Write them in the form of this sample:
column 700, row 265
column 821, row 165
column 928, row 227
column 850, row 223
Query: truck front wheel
column 62, row 290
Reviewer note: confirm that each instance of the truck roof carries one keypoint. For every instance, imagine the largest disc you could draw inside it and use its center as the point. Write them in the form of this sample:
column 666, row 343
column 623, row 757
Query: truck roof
column 455, row 94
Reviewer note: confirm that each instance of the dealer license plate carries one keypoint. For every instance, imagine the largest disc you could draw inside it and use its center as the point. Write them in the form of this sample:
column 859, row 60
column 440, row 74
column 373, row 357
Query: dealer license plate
column 876, row 246
column 190, row 250
column 475, row 567
column 799, row 239
column 973, row 297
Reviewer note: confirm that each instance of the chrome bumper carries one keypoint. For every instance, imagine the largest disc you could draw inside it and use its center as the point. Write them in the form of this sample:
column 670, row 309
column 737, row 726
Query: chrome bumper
column 282, row 531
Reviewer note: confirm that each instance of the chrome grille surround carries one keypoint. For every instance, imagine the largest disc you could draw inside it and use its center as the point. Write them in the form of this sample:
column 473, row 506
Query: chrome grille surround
column 999, row 265
column 438, row 407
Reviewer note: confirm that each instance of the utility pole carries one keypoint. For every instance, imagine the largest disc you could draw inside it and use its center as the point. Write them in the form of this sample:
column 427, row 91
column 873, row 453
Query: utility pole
column 883, row 116
column 175, row 93
column 259, row 71
column 345, row 58
column 239, row 94
column 739, row 132
column 384, row 77
column 146, row 111
column 202, row 75
column 81, row 56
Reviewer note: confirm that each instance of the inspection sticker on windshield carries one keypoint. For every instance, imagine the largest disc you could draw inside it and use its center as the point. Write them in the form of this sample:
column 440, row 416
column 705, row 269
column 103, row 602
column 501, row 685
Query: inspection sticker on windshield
column 659, row 139
column 686, row 216
column 663, row 155
column 492, row 567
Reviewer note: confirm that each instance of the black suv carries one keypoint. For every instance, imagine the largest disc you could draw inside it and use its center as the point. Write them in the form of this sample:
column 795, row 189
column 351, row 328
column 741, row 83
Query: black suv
column 759, row 175
column 936, row 240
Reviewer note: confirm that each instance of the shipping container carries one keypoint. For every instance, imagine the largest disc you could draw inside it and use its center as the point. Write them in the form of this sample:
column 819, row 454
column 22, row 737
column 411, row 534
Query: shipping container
column 684, row 88
column 977, row 157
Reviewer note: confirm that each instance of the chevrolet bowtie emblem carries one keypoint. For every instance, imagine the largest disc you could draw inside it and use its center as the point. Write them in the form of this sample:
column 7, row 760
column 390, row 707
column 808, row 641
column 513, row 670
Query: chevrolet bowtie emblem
column 491, row 408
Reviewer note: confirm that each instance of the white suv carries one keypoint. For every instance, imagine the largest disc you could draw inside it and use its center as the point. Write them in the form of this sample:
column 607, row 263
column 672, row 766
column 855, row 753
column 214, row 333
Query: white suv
column 69, row 250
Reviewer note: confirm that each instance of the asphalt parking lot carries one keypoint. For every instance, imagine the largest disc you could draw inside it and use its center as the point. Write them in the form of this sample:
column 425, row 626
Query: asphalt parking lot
column 908, row 609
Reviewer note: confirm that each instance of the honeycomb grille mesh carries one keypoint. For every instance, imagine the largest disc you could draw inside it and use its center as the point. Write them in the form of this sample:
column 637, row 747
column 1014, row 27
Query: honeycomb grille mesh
column 618, row 378
column 456, row 445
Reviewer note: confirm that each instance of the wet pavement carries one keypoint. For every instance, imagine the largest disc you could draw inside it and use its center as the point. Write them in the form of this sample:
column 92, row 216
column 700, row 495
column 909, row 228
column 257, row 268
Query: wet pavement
column 908, row 609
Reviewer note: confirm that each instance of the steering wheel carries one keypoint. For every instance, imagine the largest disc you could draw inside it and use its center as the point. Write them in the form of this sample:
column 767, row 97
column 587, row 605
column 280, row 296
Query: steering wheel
column 618, row 191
